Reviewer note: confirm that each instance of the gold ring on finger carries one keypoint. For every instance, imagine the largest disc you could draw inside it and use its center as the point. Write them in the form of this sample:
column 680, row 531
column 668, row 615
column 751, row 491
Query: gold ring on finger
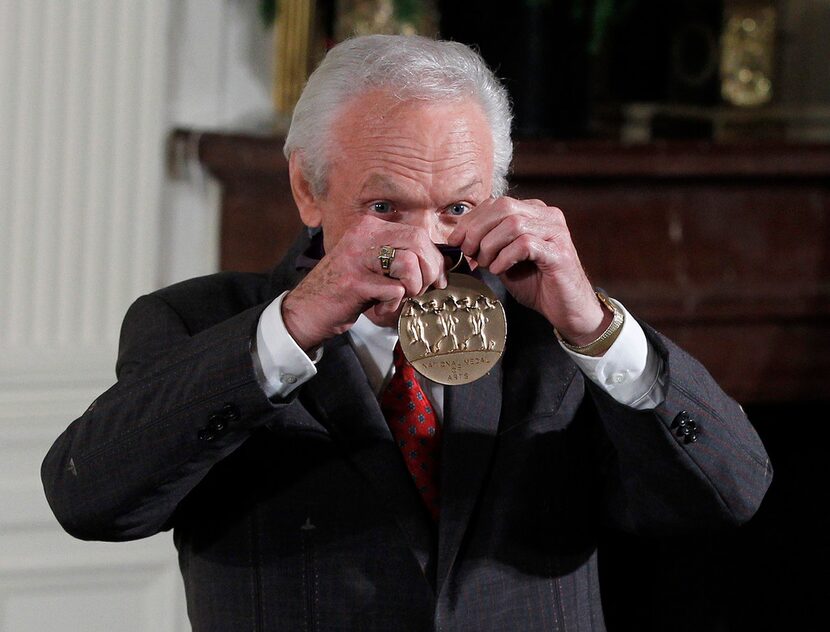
column 386, row 256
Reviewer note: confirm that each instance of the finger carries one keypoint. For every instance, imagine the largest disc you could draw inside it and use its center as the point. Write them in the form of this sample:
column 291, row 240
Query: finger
column 466, row 232
column 501, row 235
column 389, row 296
column 547, row 224
column 406, row 269
column 389, row 307
column 414, row 240
column 376, row 289
column 508, row 223
column 524, row 248
column 473, row 225
column 433, row 266
column 486, row 217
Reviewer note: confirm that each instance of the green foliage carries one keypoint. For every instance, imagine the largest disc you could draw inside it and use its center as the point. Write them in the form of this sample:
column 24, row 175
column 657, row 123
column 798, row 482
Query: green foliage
column 407, row 10
column 602, row 15
column 268, row 10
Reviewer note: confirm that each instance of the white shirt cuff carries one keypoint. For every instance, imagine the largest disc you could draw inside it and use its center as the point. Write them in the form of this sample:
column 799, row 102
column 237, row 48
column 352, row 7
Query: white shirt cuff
column 630, row 371
column 280, row 364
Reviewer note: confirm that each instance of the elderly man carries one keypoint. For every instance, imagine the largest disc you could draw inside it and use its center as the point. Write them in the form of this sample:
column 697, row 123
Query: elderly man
column 250, row 412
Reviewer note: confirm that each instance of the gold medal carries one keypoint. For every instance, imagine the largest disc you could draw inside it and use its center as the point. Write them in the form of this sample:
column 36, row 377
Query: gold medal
column 455, row 335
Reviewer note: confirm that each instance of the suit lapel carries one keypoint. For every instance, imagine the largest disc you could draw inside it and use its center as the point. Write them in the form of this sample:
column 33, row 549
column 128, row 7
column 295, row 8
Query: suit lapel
column 340, row 397
column 471, row 418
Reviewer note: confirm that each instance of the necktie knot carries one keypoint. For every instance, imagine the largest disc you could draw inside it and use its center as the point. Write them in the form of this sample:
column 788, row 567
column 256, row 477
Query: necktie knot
column 398, row 358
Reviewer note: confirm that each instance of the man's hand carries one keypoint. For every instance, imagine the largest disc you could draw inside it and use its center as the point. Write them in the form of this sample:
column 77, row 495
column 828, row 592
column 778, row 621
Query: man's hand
column 528, row 245
column 349, row 281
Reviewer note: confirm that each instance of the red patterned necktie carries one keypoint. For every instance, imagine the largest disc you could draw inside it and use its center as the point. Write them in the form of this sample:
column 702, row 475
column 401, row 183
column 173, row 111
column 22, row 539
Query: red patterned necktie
column 415, row 428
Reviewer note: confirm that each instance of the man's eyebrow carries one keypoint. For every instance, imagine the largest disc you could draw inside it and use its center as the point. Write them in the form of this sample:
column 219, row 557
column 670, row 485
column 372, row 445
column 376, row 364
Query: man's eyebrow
column 378, row 181
column 387, row 186
column 463, row 190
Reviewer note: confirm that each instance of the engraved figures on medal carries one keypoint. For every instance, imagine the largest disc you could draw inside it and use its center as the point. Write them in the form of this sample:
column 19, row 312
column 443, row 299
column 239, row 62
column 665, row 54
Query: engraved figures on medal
column 455, row 335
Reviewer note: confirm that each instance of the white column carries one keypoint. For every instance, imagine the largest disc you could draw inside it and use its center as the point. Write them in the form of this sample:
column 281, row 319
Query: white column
column 82, row 128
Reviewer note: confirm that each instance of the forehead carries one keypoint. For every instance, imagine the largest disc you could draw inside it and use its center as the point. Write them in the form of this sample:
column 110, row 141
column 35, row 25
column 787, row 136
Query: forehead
column 380, row 109
column 381, row 133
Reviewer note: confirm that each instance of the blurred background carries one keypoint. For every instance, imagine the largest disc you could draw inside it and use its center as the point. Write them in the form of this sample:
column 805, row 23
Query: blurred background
column 687, row 141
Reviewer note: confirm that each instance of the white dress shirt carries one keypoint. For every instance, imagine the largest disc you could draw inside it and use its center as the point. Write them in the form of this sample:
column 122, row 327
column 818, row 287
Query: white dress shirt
column 630, row 371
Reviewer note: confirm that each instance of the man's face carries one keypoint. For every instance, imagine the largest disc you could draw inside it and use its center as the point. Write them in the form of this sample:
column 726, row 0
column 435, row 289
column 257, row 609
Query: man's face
column 423, row 164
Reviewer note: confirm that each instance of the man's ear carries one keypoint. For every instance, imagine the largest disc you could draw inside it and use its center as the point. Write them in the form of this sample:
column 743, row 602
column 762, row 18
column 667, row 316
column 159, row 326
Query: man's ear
column 304, row 197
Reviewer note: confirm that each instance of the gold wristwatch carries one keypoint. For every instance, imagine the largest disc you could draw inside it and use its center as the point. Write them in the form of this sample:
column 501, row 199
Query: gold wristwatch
column 606, row 338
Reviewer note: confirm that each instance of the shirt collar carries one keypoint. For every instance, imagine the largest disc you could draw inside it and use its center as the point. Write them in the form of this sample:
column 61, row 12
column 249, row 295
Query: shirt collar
column 374, row 346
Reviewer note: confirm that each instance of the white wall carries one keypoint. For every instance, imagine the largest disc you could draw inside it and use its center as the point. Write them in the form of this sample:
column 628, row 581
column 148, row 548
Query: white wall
column 88, row 220
column 220, row 77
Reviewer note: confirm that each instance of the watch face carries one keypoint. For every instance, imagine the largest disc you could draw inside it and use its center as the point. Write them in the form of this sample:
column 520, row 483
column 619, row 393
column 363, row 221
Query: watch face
column 455, row 335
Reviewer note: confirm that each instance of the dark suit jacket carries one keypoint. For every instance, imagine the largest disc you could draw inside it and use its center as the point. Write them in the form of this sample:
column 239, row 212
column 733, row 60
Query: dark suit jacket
column 300, row 514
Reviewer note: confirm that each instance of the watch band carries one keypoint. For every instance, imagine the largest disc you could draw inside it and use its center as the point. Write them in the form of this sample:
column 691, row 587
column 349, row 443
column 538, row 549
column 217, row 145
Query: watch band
column 606, row 338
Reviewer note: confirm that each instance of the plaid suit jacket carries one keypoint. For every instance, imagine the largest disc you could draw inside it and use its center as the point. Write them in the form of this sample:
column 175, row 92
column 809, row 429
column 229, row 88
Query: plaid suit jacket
column 299, row 514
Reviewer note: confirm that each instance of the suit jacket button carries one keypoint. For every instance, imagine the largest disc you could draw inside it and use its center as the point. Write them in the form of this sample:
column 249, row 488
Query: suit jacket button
column 220, row 420
column 685, row 427
column 230, row 412
column 681, row 419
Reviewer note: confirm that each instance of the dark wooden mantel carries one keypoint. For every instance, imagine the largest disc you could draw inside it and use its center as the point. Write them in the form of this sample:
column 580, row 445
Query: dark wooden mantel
column 725, row 248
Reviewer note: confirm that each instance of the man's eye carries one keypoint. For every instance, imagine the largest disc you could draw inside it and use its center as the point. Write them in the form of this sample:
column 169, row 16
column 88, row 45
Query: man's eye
column 382, row 207
column 458, row 209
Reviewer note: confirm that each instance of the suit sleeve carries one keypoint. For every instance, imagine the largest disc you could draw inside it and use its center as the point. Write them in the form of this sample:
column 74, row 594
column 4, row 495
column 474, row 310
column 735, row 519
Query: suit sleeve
column 182, row 402
column 693, row 461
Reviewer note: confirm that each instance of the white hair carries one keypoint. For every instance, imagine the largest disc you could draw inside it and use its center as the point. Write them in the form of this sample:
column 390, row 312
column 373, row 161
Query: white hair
column 410, row 68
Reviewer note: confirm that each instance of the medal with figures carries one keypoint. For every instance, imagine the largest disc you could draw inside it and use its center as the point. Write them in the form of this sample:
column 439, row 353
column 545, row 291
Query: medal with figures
column 455, row 335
